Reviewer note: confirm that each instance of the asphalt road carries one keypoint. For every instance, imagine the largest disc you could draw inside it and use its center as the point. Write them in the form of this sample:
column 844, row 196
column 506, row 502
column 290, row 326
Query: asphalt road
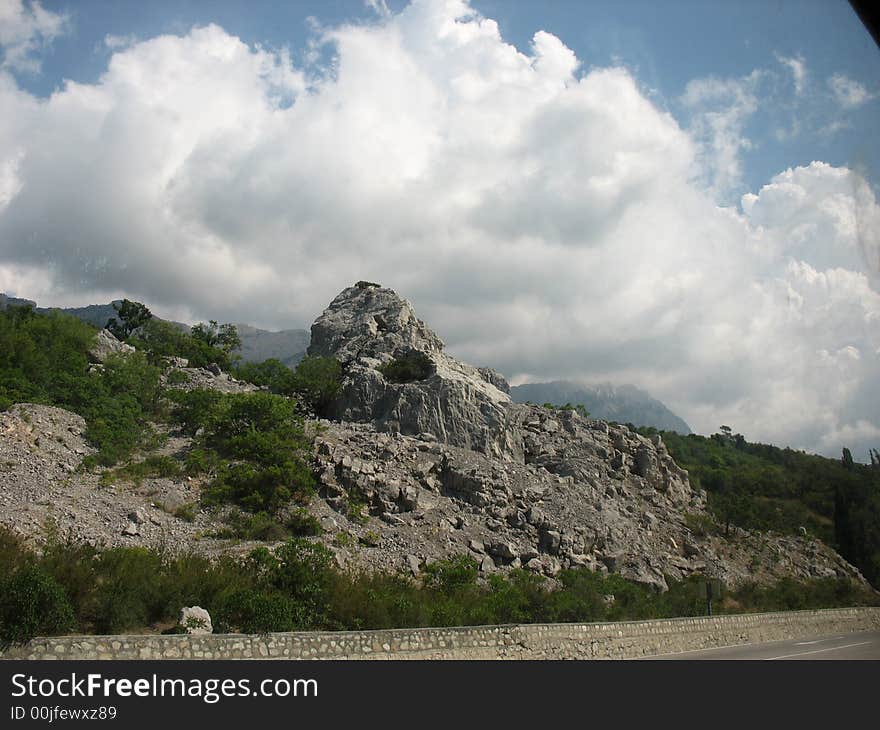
column 859, row 645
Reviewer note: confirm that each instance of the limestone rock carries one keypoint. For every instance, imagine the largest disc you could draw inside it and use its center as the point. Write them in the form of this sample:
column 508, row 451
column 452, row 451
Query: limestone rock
column 370, row 327
column 195, row 620
column 105, row 345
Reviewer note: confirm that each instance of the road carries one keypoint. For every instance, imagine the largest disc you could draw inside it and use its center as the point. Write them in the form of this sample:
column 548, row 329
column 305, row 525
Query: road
column 859, row 645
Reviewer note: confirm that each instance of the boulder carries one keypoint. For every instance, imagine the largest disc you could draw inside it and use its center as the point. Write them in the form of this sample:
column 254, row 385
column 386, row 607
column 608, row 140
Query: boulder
column 105, row 345
column 195, row 620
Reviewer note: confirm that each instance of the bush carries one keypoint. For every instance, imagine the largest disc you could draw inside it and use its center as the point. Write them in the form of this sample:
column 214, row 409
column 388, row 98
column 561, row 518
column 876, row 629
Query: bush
column 452, row 574
column 264, row 452
column 203, row 345
column 130, row 592
column 194, row 409
column 32, row 603
column 304, row 571
column 252, row 611
column 408, row 368
column 272, row 374
column 318, row 381
column 151, row 467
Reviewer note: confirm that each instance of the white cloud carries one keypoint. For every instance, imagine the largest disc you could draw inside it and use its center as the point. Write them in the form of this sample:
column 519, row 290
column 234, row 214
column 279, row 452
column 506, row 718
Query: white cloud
column 798, row 67
column 543, row 219
column 829, row 216
column 24, row 29
column 720, row 109
column 848, row 93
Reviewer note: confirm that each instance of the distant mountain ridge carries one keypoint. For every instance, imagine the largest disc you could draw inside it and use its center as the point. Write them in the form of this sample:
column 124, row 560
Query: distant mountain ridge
column 620, row 403
column 288, row 346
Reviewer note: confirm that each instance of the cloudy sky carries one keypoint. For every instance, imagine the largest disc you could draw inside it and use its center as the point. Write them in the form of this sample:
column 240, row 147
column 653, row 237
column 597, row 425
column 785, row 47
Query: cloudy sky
column 679, row 195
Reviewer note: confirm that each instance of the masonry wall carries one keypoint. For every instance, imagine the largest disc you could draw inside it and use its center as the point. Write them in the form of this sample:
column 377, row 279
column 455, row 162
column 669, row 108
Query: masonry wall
column 536, row 641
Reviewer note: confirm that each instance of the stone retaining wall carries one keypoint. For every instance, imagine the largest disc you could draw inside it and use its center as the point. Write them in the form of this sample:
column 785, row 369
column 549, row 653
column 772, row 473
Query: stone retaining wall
column 516, row 641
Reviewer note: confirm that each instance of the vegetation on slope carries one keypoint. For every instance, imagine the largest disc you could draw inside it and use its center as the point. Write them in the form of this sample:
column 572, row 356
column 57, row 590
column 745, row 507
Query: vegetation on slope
column 77, row 588
column 757, row 486
column 253, row 446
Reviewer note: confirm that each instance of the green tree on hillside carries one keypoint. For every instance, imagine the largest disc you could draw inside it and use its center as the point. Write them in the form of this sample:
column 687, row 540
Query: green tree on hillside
column 130, row 317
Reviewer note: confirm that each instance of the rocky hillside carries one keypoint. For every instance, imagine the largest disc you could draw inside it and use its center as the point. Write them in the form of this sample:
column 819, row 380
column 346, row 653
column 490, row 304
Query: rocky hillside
column 448, row 462
column 288, row 346
column 619, row 403
column 423, row 457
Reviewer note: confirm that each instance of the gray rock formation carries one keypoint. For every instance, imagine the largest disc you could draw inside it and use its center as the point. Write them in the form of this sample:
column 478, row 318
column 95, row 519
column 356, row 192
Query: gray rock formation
column 105, row 345
column 587, row 498
column 447, row 463
column 367, row 328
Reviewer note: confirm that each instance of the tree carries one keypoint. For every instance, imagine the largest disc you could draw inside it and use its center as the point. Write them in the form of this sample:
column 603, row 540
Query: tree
column 224, row 337
column 130, row 317
column 318, row 380
column 847, row 459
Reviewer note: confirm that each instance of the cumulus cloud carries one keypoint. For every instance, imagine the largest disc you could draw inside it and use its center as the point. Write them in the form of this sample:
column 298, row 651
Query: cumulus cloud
column 545, row 219
column 24, row 30
column 848, row 93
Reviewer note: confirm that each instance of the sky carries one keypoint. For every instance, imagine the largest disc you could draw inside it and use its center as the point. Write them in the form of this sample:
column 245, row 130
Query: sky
column 678, row 195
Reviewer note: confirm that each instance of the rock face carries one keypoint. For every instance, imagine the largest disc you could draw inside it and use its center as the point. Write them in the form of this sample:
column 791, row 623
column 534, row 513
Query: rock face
column 105, row 345
column 578, row 504
column 448, row 464
column 367, row 327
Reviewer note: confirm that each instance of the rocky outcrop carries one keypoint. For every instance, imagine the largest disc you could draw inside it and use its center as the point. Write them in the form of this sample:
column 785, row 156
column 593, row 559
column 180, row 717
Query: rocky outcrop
column 106, row 345
column 368, row 328
column 447, row 463
column 592, row 500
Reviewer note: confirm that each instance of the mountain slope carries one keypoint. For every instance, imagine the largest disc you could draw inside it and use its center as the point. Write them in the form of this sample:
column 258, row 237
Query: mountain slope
column 622, row 403
column 288, row 346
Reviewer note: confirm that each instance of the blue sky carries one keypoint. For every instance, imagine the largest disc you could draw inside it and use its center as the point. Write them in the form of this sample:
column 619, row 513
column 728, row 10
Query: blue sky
column 679, row 195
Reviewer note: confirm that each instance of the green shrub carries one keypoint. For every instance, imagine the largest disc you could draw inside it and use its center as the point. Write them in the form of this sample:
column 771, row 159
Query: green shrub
column 246, row 526
column 260, row 439
column 318, row 381
column 130, row 591
column 194, row 409
column 700, row 525
column 272, row 374
column 151, row 467
column 252, row 611
column 177, row 377
column 32, row 603
column 408, row 368
column 301, row 523
column 186, row 512
column 452, row 574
